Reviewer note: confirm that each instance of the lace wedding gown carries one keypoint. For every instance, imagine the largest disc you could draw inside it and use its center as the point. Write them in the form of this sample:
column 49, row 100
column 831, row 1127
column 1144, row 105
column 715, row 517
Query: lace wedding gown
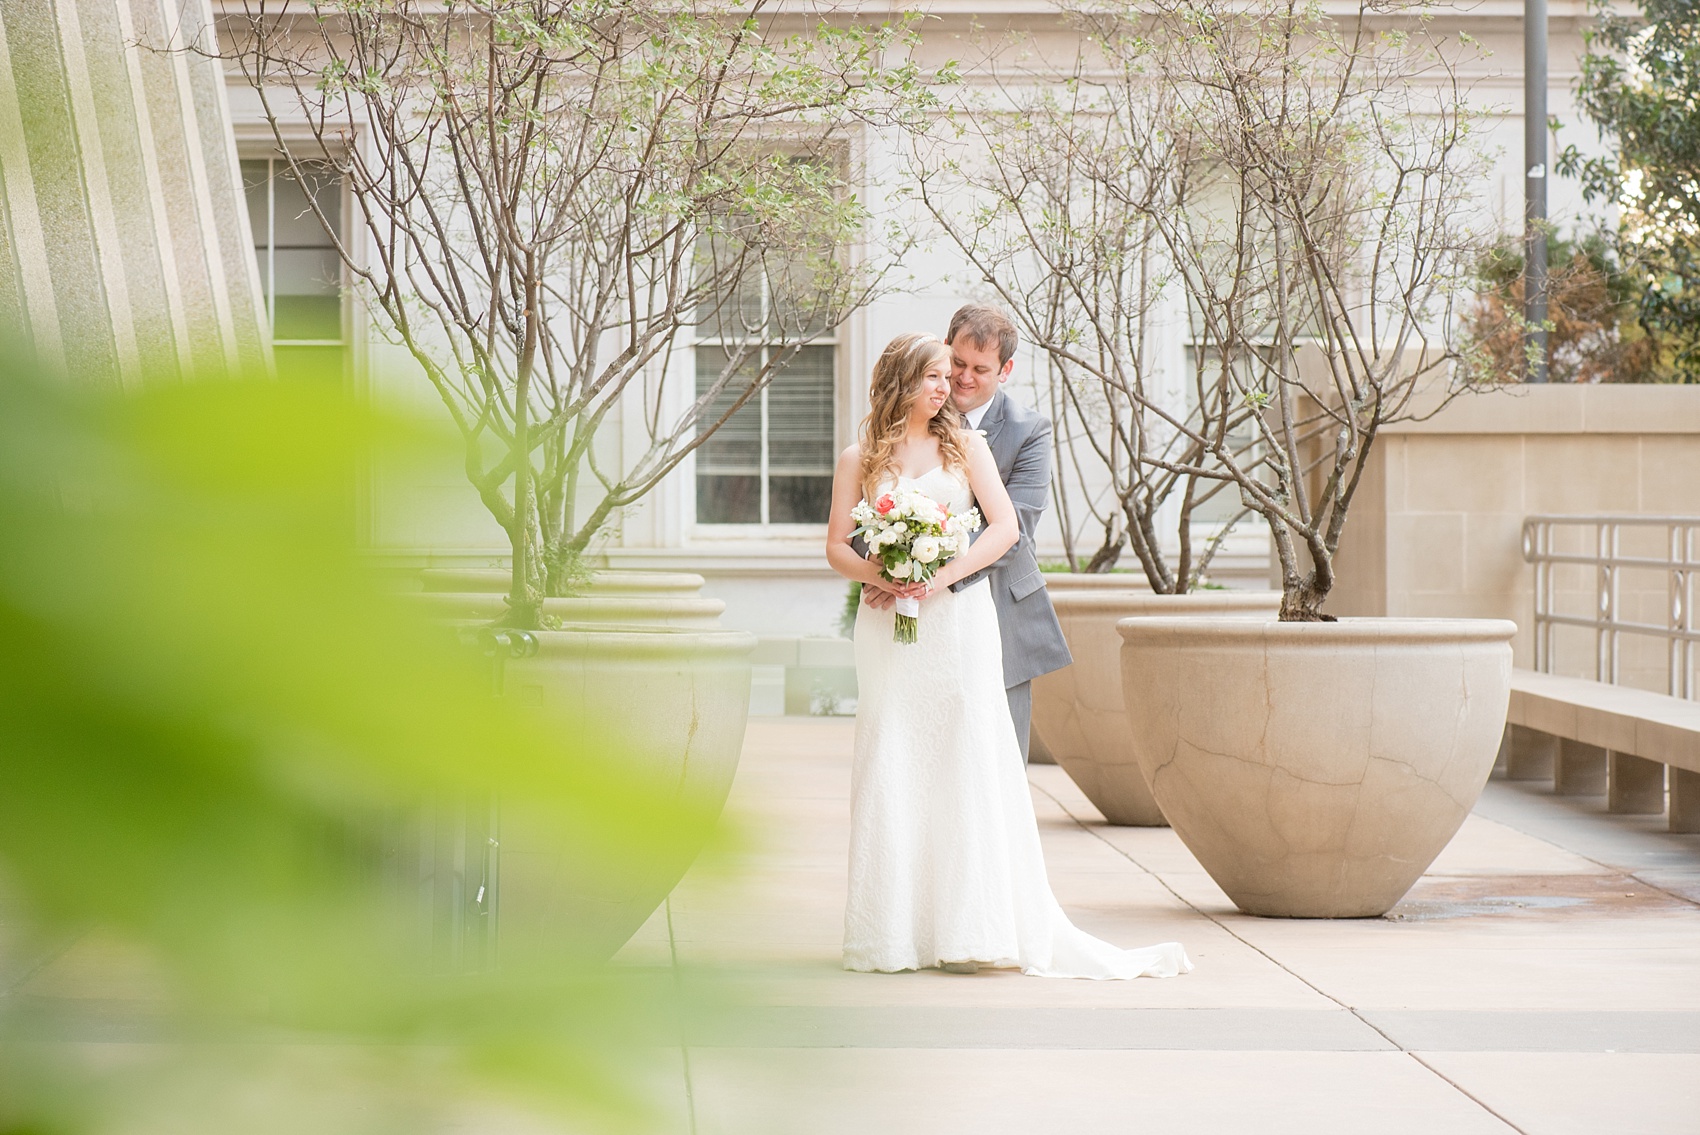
column 945, row 862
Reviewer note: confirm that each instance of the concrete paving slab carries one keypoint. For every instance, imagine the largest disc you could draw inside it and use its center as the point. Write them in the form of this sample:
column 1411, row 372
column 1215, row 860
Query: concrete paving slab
column 1542, row 978
column 1213, row 1030
column 784, row 1091
column 1581, row 824
column 1560, row 1030
column 1049, row 1027
column 1551, row 1093
column 1522, row 941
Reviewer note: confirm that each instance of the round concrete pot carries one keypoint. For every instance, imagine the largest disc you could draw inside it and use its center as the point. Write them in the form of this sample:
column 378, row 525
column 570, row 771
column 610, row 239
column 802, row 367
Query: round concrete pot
column 659, row 608
column 1079, row 709
column 498, row 580
column 1063, row 583
column 1059, row 581
column 1316, row 769
column 669, row 706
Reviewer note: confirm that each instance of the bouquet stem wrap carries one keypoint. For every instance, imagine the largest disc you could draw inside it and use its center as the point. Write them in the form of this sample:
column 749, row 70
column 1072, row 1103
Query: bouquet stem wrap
column 908, row 621
column 912, row 536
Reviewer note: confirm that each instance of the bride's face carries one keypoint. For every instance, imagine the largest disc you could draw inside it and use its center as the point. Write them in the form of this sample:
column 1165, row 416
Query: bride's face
column 935, row 388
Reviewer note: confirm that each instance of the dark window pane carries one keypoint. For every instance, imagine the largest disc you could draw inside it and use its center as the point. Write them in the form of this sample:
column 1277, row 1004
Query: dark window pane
column 254, row 176
column 309, row 364
column 799, row 415
column 728, row 500
column 799, row 500
column 308, row 272
column 736, row 446
column 307, row 317
column 300, row 271
column 802, row 296
column 1222, row 504
column 295, row 225
column 731, row 273
column 308, row 303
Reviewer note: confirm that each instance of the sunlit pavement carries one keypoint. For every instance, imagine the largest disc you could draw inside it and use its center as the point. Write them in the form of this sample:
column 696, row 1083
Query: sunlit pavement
column 1543, row 977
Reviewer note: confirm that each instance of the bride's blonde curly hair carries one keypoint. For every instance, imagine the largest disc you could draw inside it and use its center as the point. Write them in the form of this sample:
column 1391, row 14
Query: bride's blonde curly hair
column 895, row 386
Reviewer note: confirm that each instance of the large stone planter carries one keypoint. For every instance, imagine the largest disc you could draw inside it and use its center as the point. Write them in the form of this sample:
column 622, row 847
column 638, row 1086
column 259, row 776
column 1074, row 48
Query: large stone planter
column 1066, row 581
column 613, row 598
column 660, row 609
column 601, row 583
column 1079, row 710
column 1063, row 583
column 1316, row 769
column 668, row 706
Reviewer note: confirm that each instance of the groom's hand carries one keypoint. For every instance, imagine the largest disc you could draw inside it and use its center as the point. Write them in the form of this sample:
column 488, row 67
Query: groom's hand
column 877, row 597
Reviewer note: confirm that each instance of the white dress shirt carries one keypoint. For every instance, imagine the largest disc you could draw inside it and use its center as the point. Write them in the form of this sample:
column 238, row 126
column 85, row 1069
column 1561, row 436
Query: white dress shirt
column 974, row 416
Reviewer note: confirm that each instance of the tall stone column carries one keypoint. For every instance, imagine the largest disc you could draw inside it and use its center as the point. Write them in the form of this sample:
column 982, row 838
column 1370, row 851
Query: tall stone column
column 125, row 253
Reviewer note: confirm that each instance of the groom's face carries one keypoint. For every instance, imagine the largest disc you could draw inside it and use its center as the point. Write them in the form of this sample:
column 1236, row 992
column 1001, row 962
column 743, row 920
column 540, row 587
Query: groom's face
column 975, row 373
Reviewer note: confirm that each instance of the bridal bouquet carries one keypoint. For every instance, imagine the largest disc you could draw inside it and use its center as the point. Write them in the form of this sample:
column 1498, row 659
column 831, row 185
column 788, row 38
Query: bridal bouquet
column 913, row 536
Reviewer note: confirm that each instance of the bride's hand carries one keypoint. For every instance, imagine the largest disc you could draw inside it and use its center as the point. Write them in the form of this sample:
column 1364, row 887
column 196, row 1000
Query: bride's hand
column 943, row 578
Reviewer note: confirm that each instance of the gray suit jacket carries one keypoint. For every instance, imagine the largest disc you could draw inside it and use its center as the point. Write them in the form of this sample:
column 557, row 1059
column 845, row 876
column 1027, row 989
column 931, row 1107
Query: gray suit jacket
column 1033, row 642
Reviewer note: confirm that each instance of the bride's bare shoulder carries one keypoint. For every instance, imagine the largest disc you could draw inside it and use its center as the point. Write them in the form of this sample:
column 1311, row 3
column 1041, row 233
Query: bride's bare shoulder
column 852, row 456
column 979, row 451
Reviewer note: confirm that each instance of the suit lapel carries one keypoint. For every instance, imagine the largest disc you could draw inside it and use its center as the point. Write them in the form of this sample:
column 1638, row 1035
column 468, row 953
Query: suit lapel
column 992, row 423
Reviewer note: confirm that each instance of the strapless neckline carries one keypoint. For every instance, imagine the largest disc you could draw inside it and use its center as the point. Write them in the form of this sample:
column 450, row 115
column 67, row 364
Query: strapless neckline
column 945, row 485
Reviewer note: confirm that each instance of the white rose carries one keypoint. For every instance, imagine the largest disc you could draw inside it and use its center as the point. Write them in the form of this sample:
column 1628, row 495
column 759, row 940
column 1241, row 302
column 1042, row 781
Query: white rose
column 901, row 570
column 926, row 549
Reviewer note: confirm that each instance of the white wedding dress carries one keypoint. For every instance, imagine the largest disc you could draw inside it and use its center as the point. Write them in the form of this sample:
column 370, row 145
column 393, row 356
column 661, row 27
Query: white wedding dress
column 945, row 862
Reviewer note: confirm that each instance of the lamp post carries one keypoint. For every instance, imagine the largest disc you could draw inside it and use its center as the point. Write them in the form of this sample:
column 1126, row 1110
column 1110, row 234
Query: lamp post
column 1535, row 189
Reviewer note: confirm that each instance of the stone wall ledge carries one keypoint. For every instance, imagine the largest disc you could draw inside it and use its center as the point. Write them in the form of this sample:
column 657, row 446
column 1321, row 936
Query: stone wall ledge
column 1649, row 725
column 1564, row 408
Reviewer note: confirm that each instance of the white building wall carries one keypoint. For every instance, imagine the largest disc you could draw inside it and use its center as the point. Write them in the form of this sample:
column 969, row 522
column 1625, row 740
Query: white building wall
column 778, row 583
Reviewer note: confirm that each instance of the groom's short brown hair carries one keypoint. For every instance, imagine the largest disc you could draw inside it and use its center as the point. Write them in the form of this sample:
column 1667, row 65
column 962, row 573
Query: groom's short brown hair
column 984, row 325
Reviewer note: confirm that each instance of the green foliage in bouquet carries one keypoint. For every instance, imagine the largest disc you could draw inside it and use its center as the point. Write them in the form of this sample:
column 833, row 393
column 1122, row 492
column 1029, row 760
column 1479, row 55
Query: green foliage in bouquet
column 912, row 536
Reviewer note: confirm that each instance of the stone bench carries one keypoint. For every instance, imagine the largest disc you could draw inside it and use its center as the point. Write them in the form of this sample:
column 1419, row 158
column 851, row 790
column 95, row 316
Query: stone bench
column 1591, row 737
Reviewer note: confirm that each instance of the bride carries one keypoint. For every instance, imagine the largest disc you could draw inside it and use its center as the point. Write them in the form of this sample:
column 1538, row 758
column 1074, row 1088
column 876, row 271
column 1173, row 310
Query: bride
column 945, row 864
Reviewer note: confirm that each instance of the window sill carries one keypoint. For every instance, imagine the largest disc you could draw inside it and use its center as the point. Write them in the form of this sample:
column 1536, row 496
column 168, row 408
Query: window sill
column 756, row 533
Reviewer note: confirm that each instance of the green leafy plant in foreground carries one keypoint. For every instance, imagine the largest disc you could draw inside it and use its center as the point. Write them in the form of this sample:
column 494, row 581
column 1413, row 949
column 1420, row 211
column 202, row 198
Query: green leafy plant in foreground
column 212, row 721
column 852, row 604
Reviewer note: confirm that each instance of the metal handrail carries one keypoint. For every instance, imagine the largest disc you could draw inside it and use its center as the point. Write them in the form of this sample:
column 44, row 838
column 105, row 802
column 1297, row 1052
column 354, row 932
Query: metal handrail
column 1680, row 564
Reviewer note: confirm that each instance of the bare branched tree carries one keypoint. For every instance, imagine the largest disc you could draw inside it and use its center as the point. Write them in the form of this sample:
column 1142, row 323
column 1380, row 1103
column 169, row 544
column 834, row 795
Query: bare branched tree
column 1328, row 228
column 1049, row 185
column 547, row 193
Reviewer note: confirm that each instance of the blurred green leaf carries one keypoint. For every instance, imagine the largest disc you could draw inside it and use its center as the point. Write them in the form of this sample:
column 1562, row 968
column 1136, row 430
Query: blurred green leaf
column 219, row 740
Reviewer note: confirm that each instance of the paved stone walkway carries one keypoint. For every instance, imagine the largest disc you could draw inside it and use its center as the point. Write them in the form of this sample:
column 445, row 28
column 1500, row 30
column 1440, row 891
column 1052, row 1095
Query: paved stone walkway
column 1543, row 977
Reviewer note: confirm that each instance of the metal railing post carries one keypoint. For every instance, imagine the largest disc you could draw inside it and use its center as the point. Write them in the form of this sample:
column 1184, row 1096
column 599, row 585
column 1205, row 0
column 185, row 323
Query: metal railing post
column 1684, row 589
column 1678, row 564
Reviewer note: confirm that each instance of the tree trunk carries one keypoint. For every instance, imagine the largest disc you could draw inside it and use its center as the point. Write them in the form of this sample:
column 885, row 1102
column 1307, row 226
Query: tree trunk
column 1303, row 604
column 525, row 595
column 1105, row 557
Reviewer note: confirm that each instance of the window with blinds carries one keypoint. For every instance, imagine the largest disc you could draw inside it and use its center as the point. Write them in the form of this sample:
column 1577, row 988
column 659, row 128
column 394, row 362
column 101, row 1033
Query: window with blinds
column 300, row 271
column 771, row 463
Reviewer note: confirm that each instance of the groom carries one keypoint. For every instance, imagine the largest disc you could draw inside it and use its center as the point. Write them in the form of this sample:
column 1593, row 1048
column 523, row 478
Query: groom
column 982, row 342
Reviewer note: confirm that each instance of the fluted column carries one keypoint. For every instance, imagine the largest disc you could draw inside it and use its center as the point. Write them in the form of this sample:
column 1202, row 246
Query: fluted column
column 125, row 251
